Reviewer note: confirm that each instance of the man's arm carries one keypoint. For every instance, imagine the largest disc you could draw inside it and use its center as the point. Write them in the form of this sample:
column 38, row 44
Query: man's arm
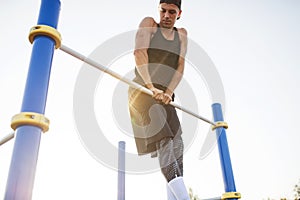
column 181, row 63
column 142, row 41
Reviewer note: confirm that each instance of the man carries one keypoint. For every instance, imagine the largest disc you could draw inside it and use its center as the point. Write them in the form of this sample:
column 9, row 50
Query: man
column 160, row 58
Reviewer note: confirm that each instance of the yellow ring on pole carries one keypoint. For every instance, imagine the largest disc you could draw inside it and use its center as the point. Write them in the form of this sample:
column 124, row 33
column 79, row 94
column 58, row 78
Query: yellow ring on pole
column 220, row 124
column 30, row 118
column 47, row 31
column 231, row 195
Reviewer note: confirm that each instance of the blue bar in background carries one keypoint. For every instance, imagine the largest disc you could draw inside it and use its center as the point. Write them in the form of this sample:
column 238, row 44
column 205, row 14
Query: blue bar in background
column 27, row 141
column 121, row 171
column 224, row 154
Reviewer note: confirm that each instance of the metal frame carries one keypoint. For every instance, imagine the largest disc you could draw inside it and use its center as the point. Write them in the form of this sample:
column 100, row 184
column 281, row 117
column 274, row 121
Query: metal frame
column 25, row 153
column 45, row 39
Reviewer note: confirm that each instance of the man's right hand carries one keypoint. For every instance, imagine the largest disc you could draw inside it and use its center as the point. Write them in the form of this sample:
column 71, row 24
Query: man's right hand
column 157, row 93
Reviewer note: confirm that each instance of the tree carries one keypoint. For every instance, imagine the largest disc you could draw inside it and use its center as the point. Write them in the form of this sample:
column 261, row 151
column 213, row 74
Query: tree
column 192, row 196
column 297, row 191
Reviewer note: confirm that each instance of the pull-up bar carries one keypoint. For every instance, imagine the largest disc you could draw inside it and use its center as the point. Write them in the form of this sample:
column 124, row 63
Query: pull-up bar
column 7, row 138
column 127, row 81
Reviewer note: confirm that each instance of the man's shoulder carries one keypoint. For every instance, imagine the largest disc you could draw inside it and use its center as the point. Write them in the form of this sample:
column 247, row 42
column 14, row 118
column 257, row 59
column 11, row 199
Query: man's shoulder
column 182, row 31
column 148, row 22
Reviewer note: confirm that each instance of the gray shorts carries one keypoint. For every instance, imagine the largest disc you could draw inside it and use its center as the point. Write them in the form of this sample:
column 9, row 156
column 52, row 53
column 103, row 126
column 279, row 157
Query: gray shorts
column 151, row 121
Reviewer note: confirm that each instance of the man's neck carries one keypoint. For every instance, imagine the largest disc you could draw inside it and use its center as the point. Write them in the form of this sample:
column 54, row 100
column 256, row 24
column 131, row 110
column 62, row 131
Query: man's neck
column 168, row 33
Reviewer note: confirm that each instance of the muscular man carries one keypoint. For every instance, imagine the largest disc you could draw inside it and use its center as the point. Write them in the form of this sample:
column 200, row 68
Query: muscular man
column 160, row 57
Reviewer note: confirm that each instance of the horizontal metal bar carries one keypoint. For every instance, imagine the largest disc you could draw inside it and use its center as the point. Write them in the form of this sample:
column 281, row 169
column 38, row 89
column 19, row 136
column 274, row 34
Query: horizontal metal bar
column 214, row 198
column 7, row 138
column 125, row 80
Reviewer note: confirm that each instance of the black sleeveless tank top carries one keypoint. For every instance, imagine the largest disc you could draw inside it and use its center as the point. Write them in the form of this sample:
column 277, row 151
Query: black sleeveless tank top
column 163, row 58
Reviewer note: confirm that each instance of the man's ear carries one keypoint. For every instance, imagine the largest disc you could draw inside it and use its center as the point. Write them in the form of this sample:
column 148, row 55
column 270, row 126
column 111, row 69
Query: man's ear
column 179, row 14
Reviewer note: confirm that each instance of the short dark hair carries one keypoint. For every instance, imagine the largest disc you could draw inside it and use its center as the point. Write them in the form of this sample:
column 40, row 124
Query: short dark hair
column 176, row 2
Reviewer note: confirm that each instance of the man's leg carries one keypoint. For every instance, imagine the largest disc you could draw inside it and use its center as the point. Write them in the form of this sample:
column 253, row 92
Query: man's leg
column 170, row 155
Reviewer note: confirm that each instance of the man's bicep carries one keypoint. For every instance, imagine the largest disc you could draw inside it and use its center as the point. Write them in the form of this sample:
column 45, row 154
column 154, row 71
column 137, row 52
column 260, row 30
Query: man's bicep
column 142, row 39
column 144, row 33
column 184, row 41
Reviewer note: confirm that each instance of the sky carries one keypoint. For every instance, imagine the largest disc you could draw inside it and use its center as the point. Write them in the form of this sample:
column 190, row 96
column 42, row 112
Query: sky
column 255, row 47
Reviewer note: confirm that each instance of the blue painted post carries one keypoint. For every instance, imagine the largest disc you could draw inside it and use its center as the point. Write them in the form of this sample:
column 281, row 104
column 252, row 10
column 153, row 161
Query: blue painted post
column 227, row 171
column 25, row 153
column 121, row 171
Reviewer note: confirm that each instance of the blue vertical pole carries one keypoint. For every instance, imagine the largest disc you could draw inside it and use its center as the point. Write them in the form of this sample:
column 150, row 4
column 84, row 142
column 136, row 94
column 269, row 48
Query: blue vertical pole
column 121, row 171
column 227, row 171
column 25, row 153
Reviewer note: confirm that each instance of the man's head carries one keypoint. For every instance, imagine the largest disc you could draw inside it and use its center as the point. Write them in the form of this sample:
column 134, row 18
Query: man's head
column 169, row 12
column 176, row 2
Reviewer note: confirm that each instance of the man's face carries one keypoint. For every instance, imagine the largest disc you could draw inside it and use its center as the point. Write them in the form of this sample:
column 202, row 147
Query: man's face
column 168, row 14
